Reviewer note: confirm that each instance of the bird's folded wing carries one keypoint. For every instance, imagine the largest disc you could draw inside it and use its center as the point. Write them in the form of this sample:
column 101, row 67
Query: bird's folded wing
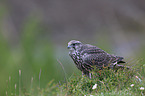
column 95, row 56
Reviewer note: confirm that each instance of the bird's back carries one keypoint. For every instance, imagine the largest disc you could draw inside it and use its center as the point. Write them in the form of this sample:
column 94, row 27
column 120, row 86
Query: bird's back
column 92, row 55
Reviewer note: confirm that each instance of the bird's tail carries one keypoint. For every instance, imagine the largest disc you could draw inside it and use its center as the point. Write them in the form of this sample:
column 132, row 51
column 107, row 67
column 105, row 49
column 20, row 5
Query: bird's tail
column 118, row 66
column 120, row 60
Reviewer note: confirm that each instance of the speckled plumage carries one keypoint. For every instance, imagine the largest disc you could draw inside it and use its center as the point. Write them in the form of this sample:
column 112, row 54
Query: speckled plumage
column 85, row 56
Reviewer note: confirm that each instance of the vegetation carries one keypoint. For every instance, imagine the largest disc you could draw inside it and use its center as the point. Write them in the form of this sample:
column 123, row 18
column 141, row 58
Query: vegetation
column 123, row 82
column 107, row 82
column 28, row 65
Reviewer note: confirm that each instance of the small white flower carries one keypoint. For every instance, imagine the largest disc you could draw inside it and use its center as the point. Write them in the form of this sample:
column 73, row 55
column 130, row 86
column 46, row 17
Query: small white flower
column 132, row 85
column 141, row 88
column 136, row 77
column 91, row 95
column 95, row 86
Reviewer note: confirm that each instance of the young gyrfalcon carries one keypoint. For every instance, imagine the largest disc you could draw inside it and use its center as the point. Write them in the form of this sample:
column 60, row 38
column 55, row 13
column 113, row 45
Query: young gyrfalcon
column 85, row 56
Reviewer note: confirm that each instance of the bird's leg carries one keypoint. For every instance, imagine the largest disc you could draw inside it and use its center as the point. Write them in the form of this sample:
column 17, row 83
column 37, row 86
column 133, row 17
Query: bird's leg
column 90, row 74
column 83, row 74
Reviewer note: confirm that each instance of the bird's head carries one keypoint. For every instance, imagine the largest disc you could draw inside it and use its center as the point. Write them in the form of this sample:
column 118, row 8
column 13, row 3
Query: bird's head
column 73, row 44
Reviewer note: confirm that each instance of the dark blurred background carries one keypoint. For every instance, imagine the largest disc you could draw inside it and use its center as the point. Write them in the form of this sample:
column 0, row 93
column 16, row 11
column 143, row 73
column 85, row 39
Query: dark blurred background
column 35, row 33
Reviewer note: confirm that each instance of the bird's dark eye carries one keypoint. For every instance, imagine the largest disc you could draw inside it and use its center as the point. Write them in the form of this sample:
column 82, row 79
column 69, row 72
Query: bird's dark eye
column 73, row 44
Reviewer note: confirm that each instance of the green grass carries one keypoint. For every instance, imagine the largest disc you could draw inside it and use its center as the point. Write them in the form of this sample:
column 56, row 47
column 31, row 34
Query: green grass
column 34, row 51
column 108, row 83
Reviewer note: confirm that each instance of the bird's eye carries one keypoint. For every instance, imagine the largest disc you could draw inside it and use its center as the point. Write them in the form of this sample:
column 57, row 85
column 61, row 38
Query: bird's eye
column 73, row 44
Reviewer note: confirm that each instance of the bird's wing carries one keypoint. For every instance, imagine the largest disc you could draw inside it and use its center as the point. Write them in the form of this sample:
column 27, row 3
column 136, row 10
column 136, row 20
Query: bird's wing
column 95, row 56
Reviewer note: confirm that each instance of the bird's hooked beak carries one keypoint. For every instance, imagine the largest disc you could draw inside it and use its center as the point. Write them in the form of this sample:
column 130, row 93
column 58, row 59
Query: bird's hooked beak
column 69, row 46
